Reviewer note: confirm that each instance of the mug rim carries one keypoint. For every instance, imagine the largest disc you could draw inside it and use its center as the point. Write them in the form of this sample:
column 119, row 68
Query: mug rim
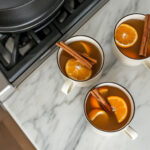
column 100, row 69
column 143, row 59
column 102, row 130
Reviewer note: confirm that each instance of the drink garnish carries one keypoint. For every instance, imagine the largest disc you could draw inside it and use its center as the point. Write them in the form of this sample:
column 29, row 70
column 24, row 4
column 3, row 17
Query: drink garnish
column 103, row 102
column 75, row 70
column 103, row 91
column 84, row 61
column 86, row 47
column 119, row 107
column 94, row 103
column 96, row 112
column 91, row 60
column 126, row 36
column 145, row 37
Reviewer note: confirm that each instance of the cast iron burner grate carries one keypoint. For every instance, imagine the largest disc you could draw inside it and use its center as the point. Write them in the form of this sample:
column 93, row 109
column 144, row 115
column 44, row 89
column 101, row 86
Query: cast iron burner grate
column 20, row 51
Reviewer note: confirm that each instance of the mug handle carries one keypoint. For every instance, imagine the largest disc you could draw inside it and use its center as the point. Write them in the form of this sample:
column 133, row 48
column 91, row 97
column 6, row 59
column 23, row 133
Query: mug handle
column 67, row 87
column 147, row 64
column 131, row 133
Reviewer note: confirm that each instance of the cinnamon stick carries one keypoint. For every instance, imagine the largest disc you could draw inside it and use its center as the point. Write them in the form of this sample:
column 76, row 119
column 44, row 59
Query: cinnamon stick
column 93, row 61
column 77, row 56
column 100, row 98
column 145, row 37
column 148, row 35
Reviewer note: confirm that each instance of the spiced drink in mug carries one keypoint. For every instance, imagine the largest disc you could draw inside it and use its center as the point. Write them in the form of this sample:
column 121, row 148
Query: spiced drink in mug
column 131, row 42
column 109, row 108
column 80, row 60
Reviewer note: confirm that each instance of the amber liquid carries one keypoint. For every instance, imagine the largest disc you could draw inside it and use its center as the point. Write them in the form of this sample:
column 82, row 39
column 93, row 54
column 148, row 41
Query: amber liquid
column 111, row 124
column 133, row 51
column 94, row 53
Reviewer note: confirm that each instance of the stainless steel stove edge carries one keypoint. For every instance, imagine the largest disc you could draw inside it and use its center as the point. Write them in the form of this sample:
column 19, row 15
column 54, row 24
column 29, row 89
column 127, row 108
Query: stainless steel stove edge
column 6, row 89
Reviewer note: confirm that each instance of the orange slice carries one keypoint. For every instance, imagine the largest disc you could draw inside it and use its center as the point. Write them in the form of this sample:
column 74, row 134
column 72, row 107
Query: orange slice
column 94, row 103
column 96, row 112
column 119, row 107
column 75, row 70
column 126, row 36
column 103, row 91
column 86, row 47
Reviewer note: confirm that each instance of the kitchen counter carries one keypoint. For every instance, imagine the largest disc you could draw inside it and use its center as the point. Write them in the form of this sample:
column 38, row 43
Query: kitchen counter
column 53, row 121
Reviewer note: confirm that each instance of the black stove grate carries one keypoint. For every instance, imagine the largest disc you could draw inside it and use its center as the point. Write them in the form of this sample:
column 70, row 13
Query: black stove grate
column 27, row 48
column 72, row 12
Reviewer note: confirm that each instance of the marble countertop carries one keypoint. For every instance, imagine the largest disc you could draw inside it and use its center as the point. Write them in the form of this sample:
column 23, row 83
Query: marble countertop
column 53, row 121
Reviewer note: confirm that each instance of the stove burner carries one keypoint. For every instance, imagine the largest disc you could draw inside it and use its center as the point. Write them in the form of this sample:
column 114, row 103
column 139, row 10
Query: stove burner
column 72, row 12
column 19, row 51
column 13, row 47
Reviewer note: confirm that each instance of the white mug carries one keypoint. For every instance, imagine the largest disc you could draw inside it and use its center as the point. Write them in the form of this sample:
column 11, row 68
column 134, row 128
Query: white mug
column 126, row 128
column 70, row 83
column 123, row 58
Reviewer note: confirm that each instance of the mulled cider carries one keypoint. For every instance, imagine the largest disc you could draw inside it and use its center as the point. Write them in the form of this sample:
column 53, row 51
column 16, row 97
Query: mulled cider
column 73, row 68
column 132, row 38
column 99, row 114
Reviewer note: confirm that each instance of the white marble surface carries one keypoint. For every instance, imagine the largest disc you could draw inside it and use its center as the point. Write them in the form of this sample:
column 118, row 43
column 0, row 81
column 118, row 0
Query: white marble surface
column 54, row 121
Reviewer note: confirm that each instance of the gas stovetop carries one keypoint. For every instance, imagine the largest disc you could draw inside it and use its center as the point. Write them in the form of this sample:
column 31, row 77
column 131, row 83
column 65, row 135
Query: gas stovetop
column 22, row 53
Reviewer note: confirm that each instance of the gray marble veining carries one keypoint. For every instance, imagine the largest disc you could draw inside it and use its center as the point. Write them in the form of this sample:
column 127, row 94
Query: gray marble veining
column 53, row 121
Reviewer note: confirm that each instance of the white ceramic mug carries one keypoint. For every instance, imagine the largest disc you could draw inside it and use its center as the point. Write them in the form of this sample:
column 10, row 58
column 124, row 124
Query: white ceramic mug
column 123, row 58
column 70, row 83
column 126, row 128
